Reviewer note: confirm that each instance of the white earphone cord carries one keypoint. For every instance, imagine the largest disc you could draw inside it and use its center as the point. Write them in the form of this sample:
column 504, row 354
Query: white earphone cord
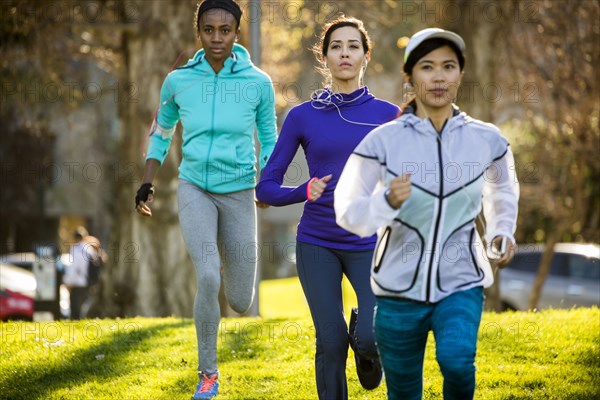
column 315, row 98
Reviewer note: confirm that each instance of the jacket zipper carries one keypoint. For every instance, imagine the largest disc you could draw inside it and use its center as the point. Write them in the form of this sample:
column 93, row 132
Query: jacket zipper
column 439, row 213
column 212, row 129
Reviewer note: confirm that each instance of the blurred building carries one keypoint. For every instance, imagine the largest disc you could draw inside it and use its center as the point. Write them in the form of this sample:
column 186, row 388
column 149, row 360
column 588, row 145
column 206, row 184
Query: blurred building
column 72, row 181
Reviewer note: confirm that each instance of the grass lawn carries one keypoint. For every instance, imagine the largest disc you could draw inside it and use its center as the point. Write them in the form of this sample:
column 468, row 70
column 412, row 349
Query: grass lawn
column 545, row 355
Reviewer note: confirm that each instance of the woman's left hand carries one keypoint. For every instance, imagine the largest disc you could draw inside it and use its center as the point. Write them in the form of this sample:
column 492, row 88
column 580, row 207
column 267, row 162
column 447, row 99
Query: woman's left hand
column 509, row 251
column 318, row 186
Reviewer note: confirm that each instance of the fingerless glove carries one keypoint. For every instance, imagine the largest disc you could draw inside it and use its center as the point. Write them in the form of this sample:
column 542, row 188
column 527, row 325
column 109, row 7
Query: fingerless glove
column 143, row 192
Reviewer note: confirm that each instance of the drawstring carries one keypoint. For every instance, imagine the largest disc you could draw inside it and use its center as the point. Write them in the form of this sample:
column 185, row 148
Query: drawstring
column 234, row 62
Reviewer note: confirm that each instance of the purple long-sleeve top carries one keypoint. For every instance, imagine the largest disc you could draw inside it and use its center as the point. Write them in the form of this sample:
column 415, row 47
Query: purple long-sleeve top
column 328, row 128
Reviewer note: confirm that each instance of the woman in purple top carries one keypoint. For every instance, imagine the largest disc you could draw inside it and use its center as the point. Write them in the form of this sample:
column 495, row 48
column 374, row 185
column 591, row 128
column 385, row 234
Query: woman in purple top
column 329, row 127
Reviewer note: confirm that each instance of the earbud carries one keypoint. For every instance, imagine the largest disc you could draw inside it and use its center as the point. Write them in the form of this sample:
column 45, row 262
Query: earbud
column 407, row 87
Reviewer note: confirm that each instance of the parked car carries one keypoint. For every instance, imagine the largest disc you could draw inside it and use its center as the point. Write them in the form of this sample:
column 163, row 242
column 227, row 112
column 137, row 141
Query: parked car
column 573, row 280
column 25, row 262
column 17, row 293
column 15, row 306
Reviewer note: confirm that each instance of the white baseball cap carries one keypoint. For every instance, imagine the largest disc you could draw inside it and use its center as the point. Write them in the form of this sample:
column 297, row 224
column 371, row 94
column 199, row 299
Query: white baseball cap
column 431, row 33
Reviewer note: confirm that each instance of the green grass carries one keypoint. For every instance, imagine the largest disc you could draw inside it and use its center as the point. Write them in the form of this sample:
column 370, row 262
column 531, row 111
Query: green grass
column 546, row 355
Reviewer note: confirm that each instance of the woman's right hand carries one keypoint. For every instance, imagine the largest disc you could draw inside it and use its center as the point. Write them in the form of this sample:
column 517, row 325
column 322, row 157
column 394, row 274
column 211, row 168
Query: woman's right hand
column 144, row 195
column 399, row 190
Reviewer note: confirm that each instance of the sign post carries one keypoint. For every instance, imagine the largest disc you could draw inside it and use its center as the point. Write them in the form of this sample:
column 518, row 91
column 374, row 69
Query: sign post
column 48, row 281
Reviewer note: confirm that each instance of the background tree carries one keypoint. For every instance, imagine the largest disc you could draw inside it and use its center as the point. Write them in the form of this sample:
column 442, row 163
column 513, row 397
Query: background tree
column 153, row 274
column 530, row 69
column 554, row 57
column 26, row 142
column 56, row 103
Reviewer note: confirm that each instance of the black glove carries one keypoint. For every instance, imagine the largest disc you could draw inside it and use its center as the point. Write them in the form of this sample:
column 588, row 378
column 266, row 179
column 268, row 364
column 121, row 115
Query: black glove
column 143, row 192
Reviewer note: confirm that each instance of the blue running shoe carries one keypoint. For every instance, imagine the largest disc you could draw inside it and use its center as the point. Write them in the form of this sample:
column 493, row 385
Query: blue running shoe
column 208, row 387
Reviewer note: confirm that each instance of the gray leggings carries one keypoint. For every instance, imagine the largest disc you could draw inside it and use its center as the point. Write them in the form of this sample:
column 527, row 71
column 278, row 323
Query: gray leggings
column 219, row 230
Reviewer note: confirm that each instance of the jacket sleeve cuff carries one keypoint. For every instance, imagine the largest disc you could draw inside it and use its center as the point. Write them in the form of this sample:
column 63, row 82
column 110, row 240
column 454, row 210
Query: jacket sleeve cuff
column 489, row 236
column 382, row 207
column 158, row 148
column 385, row 196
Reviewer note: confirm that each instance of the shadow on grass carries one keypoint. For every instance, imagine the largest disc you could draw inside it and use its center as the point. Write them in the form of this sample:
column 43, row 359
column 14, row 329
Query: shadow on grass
column 40, row 380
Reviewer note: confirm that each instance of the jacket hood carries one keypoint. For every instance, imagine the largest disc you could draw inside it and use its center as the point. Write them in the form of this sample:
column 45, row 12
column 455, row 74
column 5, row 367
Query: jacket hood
column 326, row 99
column 238, row 61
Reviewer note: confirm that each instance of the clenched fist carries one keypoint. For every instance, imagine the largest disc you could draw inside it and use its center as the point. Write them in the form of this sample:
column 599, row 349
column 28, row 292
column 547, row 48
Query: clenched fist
column 399, row 190
column 317, row 187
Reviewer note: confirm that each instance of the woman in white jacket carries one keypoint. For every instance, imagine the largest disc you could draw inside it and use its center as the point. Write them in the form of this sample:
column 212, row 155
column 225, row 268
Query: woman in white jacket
column 420, row 181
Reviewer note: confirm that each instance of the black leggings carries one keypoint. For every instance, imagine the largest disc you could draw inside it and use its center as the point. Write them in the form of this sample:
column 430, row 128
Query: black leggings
column 320, row 270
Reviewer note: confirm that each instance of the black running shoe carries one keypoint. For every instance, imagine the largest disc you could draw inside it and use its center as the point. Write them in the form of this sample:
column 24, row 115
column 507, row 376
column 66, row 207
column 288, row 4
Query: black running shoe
column 368, row 370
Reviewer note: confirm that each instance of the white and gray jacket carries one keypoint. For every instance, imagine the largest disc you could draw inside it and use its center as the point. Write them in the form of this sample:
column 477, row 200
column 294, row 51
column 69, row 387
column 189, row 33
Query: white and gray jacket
column 429, row 247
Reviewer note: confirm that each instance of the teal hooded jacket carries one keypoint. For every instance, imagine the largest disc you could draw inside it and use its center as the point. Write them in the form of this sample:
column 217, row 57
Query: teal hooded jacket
column 219, row 113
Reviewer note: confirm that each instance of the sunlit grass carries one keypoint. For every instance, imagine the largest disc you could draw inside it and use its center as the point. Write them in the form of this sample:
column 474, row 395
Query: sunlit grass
column 548, row 355
column 283, row 298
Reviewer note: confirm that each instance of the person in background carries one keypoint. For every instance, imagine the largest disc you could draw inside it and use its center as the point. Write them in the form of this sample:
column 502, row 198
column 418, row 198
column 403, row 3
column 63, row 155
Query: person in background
column 421, row 181
column 96, row 266
column 76, row 274
column 328, row 128
column 219, row 97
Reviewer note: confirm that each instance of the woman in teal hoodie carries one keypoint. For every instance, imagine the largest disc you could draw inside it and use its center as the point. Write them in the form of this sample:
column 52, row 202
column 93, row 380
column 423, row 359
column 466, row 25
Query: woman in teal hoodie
column 219, row 97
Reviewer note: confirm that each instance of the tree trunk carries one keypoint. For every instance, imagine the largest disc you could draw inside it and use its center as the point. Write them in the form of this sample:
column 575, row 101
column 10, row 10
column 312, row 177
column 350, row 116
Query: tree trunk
column 543, row 269
column 563, row 225
column 152, row 274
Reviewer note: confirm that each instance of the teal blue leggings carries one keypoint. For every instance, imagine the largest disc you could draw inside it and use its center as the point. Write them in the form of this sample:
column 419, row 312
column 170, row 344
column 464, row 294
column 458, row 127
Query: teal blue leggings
column 401, row 330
